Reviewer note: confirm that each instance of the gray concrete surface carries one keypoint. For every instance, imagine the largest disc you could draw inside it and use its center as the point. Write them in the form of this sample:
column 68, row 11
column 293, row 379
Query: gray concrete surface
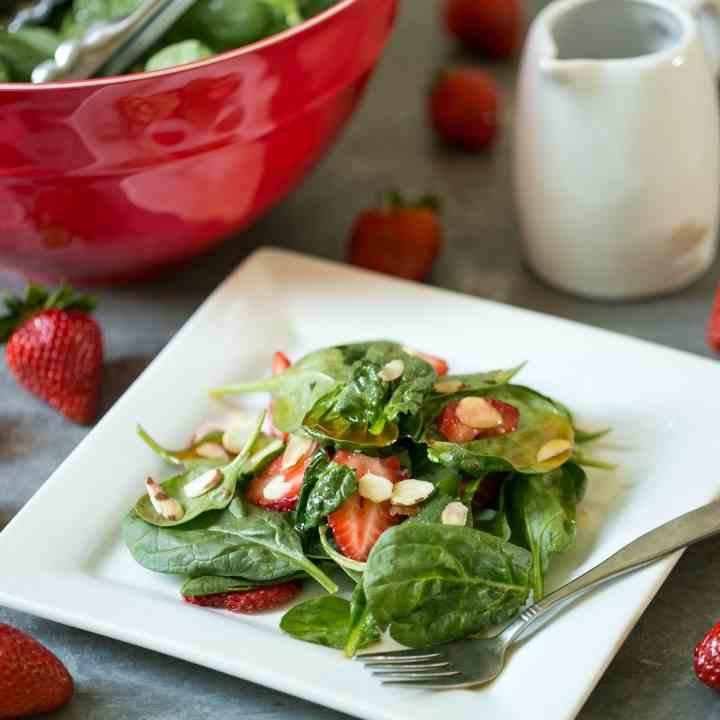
column 387, row 144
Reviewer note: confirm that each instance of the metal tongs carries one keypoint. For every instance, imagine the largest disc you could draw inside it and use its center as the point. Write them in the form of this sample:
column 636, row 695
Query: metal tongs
column 110, row 48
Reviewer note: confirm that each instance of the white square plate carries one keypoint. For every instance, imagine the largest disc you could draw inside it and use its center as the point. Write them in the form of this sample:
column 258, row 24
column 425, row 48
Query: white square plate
column 62, row 557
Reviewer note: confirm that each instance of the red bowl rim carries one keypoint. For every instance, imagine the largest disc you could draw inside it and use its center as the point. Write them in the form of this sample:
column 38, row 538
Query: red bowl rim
column 325, row 15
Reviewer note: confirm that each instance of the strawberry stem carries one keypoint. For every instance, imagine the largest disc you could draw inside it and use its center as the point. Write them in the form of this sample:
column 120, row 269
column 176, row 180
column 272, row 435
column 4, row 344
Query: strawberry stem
column 37, row 299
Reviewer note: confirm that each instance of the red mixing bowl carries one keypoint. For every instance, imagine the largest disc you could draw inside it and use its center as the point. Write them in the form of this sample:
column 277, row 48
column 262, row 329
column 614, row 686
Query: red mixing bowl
column 113, row 178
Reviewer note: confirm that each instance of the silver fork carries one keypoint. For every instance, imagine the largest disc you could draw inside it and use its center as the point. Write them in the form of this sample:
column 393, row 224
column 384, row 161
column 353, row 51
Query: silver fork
column 475, row 661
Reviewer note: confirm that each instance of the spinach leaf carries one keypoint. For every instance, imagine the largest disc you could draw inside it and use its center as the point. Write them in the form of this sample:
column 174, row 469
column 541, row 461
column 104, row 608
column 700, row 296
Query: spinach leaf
column 368, row 411
column 178, row 53
column 212, row 584
column 541, row 512
column 309, row 8
column 352, row 568
column 326, row 486
column 363, row 630
column 89, row 12
column 240, row 541
column 494, row 522
column 431, row 510
column 298, row 389
column 22, row 51
column 265, row 449
column 540, row 421
column 435, row 583
column 215, row 499
column 325, row 621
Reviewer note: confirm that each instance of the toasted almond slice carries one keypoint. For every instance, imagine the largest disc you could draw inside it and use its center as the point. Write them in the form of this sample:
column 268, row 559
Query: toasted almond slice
column 164, row 505
column 276, row 488
column 478, row 413
column 375, row 487
column 203, row 484
column 455, row 513
column 297, row 446
column 553, row 448
column 212, row 451
column 392, row 370
column 411, row 492
column 447, row 387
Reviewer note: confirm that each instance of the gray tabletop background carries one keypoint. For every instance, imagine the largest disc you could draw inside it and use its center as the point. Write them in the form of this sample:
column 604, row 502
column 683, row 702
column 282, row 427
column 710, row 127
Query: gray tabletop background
column 386, row 145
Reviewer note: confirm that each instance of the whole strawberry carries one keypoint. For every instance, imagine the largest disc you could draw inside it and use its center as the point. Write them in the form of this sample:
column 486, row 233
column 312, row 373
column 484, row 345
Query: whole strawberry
column 706, row 658
column 398, row 238
column 464, row 107
column 54, row 349
column 32, row 679
column 493, row 27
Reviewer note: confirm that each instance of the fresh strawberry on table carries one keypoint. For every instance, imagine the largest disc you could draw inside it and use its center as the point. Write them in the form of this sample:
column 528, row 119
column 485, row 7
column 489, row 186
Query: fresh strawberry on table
column 713, row 330
column 32, row 679
column 706, row 658
column 493, row 27
column 397, row 237
column 358, row 522
column 464, row 107
column 249, row 601
column 55, row 350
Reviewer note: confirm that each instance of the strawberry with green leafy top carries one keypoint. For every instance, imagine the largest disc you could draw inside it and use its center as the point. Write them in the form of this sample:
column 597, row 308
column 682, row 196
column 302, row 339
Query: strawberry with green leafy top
column 398, row 237
column 55, row 350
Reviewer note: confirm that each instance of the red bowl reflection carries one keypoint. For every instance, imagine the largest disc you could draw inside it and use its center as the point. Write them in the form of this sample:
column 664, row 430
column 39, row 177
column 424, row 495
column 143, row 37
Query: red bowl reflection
column 109, row 179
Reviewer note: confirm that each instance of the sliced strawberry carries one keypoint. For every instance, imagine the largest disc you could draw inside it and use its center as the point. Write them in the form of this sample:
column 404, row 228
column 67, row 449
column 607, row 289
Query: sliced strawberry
column 280, row 363
column 450, row 425
column 249, row 601
column 283, row 494
column 439, row 365
column 358, row 522
column 487, row 491
column 713, row 328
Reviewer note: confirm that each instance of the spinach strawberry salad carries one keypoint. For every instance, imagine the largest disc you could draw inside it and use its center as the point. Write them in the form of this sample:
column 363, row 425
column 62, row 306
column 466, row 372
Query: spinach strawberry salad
column 441, row 497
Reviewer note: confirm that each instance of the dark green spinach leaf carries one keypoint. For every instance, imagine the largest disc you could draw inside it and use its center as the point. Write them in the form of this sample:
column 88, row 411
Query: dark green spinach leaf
column 240, row 541
column 296, row 390
column 435, row 583
column 541, row 513
column 540, row 421
column 215, row 499
column 326, row 486
column 363, row 630
column 213, row 584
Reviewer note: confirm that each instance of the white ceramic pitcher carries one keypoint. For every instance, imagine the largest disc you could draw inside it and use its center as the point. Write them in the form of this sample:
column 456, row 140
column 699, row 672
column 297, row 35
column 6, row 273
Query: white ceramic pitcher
column 617, row 145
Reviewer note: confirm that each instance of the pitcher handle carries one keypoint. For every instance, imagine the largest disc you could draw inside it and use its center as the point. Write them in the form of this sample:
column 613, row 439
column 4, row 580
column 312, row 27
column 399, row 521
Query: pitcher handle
column 707, row 16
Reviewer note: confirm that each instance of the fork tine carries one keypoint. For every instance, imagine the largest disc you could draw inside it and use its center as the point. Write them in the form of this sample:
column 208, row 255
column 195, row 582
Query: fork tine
column 400, row 666
column 449, row 681
column 388, row 675
column 400, row 655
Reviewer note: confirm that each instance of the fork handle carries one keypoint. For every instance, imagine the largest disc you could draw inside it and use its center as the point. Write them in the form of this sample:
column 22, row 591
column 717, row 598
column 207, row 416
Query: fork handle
column 658, row 543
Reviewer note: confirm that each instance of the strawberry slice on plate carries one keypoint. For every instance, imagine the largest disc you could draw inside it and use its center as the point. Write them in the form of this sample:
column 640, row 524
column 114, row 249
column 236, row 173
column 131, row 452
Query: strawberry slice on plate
column 278, row 486
column 358, row 522
column 455, row 430
column 249, row 601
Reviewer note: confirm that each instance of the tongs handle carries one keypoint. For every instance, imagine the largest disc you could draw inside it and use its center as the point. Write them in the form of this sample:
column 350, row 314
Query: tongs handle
column 110, row 48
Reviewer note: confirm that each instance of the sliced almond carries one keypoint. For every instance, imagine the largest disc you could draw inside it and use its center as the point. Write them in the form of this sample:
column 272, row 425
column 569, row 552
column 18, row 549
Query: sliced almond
column 276, row 488
column 297, row 446
column 411, row 492
column 375, row 487
column 203, row 484
column 553, row 448
column 237, row 433
column 455, row 513
column 212, row 451
column 447, row 387
column 478, row 413
column 164, row 505
column 392, row 370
